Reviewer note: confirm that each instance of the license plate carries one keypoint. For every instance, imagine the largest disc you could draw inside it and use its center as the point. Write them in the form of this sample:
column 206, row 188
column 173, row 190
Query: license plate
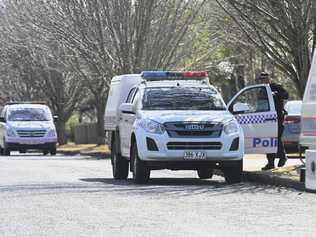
column 194, row 155
column 31, row 142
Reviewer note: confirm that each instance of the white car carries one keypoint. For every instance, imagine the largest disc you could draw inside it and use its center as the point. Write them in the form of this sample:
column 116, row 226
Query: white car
column 178, row 121
column 308, row 127
column 27, row 126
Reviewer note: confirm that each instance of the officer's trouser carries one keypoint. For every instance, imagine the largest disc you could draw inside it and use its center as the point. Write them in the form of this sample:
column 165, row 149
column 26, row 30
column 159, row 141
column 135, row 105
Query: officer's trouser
column 280, row 152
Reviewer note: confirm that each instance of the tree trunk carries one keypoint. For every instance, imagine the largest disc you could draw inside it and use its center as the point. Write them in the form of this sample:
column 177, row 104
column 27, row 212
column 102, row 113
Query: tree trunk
column 100, row 107
column 61, row 131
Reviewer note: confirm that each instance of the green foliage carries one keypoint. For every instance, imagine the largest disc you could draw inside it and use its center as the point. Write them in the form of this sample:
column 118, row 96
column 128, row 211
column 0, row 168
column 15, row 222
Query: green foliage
column 71, row 124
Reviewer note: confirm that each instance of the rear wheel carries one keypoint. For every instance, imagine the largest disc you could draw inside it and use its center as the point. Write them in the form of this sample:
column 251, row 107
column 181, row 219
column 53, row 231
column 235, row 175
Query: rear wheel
column 206, row 173
column 119, row 163
column 45, row 152
column 141, row 173
column 233, row 172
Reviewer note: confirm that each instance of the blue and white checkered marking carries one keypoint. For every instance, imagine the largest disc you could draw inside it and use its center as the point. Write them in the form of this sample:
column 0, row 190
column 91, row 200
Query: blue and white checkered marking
column 254, row 119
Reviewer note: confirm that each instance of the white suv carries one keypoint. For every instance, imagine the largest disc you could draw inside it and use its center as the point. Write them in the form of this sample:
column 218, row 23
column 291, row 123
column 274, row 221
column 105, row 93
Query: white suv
column 27, row 126
column 178, row 121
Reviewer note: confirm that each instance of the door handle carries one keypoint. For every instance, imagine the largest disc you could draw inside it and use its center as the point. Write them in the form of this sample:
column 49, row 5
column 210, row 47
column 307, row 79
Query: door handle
column 270, row 119
column 126, row 120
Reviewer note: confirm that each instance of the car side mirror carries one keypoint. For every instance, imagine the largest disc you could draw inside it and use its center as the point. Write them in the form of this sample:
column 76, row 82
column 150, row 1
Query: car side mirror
column 127, row 108
column 240, row 108
column 55, row 118
column 2, row 120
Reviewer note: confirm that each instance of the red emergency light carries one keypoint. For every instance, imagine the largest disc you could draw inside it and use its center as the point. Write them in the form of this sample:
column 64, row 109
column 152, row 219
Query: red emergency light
column 195, row 74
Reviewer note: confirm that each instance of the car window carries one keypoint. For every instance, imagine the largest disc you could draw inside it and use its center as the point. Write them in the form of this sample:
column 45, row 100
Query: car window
column 135, row 96
column 182, row 98
column 293, row 107
column 28, row 114
column 254, row 99
column 130, row 95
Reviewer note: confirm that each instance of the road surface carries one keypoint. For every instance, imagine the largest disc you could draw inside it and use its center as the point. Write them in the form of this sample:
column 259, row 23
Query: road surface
column 76, row 196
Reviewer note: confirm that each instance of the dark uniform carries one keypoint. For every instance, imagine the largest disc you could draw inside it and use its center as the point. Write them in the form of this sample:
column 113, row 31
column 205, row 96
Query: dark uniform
column 279, row 96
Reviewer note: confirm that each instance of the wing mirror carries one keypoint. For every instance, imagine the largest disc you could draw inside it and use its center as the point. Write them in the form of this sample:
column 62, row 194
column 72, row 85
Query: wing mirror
column 55, row 118
column 240, row 108
column 2, row 120
column 127, row 108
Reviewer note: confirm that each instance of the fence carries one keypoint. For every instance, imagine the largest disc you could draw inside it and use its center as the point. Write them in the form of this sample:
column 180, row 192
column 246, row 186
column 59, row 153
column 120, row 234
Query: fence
column 85, row 133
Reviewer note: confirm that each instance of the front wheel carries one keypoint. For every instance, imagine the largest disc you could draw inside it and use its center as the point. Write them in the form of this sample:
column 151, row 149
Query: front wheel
column 141, row 173
column 205, row 173
column 53, row 151
column 233, row 172
column 119, row 163
column 6, row 152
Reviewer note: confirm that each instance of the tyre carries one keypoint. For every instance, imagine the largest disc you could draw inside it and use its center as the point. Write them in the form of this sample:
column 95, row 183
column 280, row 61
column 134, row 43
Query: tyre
column 22, row 151
column 119, row 163
column 45, row 152
column 233, row 172
column 6, row 152
column 206, row 173
column 141, row 173
column 53, row 150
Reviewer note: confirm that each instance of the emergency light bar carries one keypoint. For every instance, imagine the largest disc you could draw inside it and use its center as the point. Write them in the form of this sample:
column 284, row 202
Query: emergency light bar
column 169, row 75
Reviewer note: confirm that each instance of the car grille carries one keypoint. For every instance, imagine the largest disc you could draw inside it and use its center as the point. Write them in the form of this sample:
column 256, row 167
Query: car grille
column 194, row 146
column 193, row 129
column 31, row 133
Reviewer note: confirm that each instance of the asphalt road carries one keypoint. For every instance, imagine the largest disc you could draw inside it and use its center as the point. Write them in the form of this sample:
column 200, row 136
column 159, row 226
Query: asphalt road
column 74, row 196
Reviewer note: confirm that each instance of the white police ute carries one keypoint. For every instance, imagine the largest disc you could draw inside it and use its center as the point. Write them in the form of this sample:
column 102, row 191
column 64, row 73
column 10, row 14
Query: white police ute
column 27, row 126
column 178, row 121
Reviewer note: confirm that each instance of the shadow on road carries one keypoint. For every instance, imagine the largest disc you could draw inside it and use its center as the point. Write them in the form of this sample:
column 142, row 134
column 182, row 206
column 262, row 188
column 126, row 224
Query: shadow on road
column 183, row 187
column 162, row 187
column 39, row 157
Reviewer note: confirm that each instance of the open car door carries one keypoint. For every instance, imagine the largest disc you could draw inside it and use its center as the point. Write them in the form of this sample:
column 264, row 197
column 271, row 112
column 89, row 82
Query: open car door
column 254, row 109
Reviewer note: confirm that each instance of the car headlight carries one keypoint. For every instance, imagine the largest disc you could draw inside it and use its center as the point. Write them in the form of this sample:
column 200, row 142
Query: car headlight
column 52, row 133
column 10, row 132
column 151, row 126
column 230, row 127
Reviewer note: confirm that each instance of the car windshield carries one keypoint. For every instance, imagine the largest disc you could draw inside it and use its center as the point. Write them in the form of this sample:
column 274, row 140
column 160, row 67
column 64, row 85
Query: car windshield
column 182, row 98
column 293, row 108
column 28, row 114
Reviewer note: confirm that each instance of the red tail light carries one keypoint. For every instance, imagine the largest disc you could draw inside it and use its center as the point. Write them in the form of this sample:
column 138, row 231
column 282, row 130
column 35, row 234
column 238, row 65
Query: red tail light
column 292, row 119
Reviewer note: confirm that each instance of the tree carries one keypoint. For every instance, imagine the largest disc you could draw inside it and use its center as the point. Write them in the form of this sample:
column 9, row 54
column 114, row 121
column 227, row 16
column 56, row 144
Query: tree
column 69, row 43
column 39, row 64
column 108, row 38
column 281, row 29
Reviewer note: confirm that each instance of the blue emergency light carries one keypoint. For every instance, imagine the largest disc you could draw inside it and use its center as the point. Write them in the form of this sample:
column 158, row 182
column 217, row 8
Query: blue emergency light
column 154, row 74
column 167, row 75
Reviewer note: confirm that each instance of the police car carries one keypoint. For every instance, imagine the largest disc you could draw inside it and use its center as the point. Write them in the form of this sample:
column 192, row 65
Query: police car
column 178, row 121
column 27, row 126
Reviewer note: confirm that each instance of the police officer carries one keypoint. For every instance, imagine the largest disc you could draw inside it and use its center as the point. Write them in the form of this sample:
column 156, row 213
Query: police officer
column 279, row 96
